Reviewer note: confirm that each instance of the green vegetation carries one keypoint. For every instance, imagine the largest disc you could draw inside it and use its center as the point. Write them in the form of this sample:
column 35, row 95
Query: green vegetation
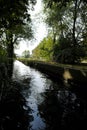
column 65, row 43
column 67, row 24
column 70, row 73
column 3, row 54
column 44, row 50
column 26, row 54
column 67, row 21
column 15, row 25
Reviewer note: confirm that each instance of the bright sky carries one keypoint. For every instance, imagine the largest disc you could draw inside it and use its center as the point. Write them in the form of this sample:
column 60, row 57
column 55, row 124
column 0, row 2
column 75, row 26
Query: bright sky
column 39, row 27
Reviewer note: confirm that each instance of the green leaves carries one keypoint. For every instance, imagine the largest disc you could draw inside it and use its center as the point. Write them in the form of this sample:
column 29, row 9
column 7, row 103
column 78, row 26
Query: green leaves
column 26, row 54
column 15, row 21
column 44, row 50
column 67, row 18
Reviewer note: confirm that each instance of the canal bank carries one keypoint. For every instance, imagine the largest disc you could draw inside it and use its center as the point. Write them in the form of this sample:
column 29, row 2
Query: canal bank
column 52, row 105
column 67, row 73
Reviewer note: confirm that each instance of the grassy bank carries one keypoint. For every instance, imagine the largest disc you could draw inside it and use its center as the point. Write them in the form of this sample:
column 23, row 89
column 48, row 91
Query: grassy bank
column 64, row 72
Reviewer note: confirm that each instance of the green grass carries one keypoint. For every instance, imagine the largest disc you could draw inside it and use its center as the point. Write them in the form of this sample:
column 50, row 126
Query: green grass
column 82, row 66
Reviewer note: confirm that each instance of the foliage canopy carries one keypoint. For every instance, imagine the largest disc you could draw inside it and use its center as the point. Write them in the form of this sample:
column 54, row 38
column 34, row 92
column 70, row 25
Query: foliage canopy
column 67, row 20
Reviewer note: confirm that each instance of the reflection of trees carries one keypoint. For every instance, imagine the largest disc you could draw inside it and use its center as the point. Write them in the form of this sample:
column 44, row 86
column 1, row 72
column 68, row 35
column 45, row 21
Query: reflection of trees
column 63, row 110
column 13, row 110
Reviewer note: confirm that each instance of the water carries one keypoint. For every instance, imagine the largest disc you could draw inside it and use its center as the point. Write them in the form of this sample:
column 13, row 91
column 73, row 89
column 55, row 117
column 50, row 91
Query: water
column 52, row 104
column 36, row 86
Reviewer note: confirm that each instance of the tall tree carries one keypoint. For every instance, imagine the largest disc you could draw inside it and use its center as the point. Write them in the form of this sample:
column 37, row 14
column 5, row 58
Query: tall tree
column 44, row 50
column 67, row 20
column 15, row 22
column 26, row 54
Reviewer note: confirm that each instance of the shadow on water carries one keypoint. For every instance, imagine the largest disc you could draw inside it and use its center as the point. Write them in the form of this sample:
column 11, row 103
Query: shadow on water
column 33, row 101
column 14, row 111
column 63, row 109
column 13, row 107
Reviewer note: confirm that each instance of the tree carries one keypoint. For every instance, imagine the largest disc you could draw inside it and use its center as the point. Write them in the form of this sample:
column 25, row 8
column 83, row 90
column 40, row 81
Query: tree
column 15, row 23
column 26, row 54
column 44, row 51
column 67, row 19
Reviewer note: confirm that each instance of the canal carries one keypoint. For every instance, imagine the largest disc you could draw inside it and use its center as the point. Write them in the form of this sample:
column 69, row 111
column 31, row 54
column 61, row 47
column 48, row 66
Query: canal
column 53, row 105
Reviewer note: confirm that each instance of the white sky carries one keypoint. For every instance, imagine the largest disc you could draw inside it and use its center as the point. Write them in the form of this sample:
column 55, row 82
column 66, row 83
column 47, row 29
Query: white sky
column 39, row 27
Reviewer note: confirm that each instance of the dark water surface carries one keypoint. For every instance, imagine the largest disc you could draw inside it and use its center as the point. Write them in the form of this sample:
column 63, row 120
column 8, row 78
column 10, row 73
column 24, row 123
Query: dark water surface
column 53, row 105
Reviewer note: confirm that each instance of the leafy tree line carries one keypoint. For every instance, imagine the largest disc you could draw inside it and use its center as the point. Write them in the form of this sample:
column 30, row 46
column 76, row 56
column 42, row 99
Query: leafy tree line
column 15, row 24
column 44, row 50
column 26, row 54
column 67, row 22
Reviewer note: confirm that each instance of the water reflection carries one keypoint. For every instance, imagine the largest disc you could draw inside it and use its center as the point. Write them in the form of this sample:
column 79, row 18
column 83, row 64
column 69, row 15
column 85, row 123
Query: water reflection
column 53, row 105
column 63, row 110
column 32, row 91
column 20, row 71
column 13, row 110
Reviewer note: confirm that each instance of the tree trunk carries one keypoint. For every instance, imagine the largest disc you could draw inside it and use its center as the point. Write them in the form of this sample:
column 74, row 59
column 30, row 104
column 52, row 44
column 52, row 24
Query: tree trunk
column 74, row 58
column 74, row 23
column 10, row 53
